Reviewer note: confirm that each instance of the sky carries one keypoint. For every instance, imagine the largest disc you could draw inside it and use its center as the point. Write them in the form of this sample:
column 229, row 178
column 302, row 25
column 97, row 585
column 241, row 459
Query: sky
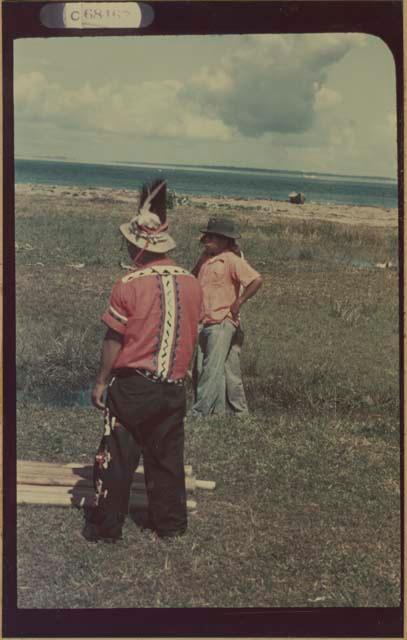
column 312, row 102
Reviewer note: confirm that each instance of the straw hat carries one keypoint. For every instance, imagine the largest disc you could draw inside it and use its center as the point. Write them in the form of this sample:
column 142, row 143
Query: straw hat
column 148, row 229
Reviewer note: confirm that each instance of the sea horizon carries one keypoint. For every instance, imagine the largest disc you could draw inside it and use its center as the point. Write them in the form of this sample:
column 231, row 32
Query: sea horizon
column 210, row 167
column 210, row 180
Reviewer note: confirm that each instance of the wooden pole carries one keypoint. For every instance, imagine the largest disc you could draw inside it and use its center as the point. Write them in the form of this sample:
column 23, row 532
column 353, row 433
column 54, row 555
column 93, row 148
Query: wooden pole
column 85, row 467
column 38, row 473
column 70, row 480
column 77, row 496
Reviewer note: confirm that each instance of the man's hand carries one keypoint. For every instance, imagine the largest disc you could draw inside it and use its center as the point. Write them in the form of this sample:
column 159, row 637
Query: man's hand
column 235, row 308
column 112, row 345
column 97, row 395
column 250, row 290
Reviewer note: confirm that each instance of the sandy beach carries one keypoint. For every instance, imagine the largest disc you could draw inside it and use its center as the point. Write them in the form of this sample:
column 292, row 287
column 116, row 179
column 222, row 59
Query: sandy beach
column 265, row 210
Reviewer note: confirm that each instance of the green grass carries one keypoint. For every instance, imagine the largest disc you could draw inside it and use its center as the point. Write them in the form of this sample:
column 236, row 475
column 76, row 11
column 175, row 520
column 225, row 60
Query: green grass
column 306, row 510
column 304, row 514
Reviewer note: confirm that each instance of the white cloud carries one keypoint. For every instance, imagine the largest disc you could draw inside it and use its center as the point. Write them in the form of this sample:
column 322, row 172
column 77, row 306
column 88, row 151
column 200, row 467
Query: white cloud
column 326, row 99
column 217, row 81
column 267, row 84
column 27, row 87
column 271, row 83
column 149, row 109
column 272, row 99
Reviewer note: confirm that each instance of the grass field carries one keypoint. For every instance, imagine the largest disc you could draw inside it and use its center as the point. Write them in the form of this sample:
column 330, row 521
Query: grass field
column 306, row 511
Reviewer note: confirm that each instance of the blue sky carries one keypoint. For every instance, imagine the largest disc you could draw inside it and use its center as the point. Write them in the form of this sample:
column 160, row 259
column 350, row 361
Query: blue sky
column 320, row 102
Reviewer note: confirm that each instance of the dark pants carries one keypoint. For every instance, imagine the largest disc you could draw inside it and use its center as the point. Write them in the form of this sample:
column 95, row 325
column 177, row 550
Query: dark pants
column 142, row 417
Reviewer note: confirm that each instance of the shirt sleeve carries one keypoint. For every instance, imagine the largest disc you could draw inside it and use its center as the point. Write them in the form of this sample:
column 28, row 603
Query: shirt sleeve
column 242, row 272
column 116, row 315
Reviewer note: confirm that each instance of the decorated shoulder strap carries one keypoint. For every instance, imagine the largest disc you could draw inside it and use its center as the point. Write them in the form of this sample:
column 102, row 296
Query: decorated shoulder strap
column 159, row 270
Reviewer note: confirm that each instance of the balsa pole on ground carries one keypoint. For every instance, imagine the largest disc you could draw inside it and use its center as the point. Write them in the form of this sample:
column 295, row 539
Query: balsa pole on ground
column 56, row 479
column 85, row 467
column 39, row 473
column 78, row 496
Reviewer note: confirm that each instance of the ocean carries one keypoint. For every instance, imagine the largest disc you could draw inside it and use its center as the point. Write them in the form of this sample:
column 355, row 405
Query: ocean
column 214, row 181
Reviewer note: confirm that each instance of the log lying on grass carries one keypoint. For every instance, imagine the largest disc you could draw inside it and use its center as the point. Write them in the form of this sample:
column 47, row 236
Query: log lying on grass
column 78, row 496
column 79, row 467
column 47, row 473
column 72, row 485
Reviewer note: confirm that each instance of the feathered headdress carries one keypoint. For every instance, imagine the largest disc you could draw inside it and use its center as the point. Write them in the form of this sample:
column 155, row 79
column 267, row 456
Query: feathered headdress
column 148, row 228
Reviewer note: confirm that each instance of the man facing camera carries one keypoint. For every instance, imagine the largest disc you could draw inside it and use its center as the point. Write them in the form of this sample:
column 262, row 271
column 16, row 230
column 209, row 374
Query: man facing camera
column 227, row 282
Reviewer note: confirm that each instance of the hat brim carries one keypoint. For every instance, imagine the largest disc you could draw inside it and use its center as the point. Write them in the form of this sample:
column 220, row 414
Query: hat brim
column 233, row 236
column 163, row 246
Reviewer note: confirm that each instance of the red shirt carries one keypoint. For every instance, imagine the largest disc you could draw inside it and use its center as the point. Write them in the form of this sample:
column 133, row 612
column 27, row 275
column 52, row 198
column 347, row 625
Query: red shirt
column 157, row 309
column 221, row 277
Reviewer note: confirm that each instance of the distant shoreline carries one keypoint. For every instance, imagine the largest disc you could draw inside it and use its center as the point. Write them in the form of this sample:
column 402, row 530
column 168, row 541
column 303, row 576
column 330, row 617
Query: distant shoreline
column 202, row 206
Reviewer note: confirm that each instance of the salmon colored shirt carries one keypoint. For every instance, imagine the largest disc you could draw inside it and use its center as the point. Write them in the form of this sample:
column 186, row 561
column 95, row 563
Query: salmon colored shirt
column 221, row 277
column 156, row 309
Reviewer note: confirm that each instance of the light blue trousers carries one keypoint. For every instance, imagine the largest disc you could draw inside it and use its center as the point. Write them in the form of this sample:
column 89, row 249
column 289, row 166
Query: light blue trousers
column 219, row 385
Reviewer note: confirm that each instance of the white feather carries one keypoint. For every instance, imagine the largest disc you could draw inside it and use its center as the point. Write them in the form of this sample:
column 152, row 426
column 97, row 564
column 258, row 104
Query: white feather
column 148, row 219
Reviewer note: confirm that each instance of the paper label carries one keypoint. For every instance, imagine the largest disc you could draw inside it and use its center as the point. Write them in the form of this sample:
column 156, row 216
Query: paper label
column 96, row 15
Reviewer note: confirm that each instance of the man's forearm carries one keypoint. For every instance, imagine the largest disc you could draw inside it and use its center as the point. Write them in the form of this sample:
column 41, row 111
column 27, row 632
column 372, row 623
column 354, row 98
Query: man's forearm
column 250, row 290
column 110, row 351
column 112, row 345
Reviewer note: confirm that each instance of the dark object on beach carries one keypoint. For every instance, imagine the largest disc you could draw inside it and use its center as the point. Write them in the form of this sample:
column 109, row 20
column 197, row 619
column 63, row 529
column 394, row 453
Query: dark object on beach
column 296, row 198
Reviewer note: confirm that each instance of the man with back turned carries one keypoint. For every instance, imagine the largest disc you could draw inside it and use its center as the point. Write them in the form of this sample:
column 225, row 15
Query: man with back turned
column 152, row 323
